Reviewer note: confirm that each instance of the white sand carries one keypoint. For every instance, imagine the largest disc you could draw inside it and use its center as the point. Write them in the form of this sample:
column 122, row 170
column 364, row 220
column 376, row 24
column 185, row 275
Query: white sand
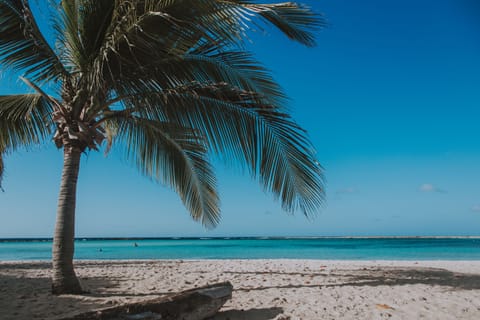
column 263, row 289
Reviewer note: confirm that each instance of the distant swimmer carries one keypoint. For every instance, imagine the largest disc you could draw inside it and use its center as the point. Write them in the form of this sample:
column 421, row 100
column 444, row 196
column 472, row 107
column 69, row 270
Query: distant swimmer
column 135, row 245
column 100, row 250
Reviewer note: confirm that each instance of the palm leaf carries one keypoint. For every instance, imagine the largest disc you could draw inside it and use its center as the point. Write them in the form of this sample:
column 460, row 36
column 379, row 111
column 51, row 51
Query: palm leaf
column 238, row 126
column 22, row 45
column 228, row 19
column 296, row 21
column 95, row 20
column 155, row 31
column 176, row 156
column 24, row 120
column 236, row 68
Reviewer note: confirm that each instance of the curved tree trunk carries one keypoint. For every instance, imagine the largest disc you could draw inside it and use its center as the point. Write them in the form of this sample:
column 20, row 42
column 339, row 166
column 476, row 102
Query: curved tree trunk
column 64, row 279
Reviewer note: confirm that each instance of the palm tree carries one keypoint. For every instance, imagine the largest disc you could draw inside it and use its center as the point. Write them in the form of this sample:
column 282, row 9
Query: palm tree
column 168, row 81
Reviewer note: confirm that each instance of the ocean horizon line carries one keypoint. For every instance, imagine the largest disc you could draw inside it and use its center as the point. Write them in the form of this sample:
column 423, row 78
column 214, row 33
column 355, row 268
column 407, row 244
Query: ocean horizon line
column 46, row 239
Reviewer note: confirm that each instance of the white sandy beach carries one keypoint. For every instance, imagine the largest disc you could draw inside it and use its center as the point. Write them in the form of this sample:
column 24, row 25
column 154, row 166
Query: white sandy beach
column 263, row 289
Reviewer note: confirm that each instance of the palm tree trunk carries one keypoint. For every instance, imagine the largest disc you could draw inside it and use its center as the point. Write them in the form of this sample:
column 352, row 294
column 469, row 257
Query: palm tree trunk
column 64, row 279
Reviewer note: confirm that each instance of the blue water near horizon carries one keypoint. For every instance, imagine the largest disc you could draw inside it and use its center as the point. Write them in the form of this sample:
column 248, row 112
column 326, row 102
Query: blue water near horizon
column 252, row 248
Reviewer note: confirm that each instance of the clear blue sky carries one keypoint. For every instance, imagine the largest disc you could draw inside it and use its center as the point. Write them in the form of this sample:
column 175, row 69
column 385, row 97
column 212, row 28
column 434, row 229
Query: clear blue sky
column 391, row 100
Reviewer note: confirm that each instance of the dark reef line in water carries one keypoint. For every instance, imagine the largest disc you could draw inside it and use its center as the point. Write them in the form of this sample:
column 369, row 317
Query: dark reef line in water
column 241, row 238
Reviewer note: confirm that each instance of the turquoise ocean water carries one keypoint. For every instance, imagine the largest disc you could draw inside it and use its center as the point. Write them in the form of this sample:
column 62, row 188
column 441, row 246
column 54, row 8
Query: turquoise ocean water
column 254, row 248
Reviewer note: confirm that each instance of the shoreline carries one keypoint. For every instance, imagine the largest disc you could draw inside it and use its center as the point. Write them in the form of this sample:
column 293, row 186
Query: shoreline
column 263, row 289
column 472, row 266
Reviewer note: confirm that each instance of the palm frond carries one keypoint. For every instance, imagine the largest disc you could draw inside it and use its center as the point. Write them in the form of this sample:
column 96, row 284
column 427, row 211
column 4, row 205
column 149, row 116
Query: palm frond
column 176, row 156
column 237, row 125
column 83, row 28
column 214, row 19
column 155, row 31
column 296, row 21
column 24, row 120
column 71, row 34
column 138, row 40
column 22, row 45
column 95, row 20
column 236, row 68
column 229, row 19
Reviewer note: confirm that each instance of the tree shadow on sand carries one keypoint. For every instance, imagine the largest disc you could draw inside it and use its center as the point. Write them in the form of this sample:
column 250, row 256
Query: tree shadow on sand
column 30, row 295
column 250, row 314
column 409, row 276
column 392, row 277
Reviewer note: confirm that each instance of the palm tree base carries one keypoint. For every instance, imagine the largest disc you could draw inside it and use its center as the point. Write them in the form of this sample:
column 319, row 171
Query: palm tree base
column 67, row 287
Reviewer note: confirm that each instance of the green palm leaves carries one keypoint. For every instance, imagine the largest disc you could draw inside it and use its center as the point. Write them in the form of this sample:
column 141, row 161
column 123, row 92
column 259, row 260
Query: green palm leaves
column 174, row 155
column 24, row 121
column 22, row 45
column 171, row 83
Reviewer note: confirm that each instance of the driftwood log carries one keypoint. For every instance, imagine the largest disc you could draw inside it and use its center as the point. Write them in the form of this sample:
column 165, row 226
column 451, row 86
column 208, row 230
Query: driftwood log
column 195, row 304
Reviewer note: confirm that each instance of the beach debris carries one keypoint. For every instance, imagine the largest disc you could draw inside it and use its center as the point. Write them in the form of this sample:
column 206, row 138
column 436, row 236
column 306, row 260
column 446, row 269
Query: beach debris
column 384, row 306
column 193, row 304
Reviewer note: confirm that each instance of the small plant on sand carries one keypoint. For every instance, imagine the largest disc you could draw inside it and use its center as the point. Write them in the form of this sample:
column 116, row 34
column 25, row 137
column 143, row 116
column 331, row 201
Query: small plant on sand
column 167, row 80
